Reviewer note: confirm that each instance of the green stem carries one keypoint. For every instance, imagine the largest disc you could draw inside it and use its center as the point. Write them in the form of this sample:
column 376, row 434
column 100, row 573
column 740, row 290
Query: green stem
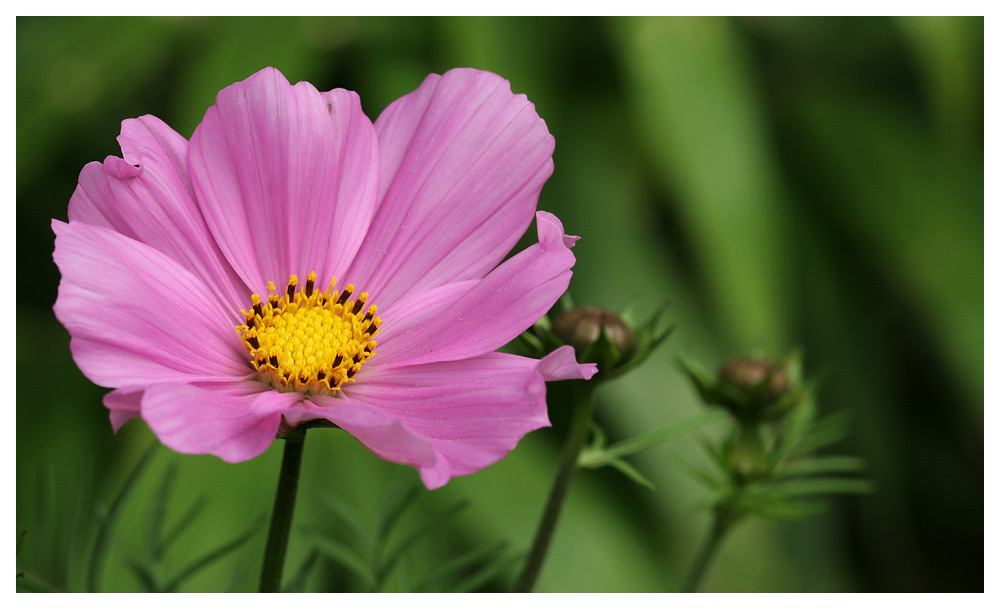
column 584, row 395
column 720, row 526
column 281, row 517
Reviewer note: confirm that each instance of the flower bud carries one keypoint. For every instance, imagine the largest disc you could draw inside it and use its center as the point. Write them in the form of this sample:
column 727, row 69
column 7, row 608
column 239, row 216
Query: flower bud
column 753, row 390
column 581, row 327
column 765, row 381
column 597, row 336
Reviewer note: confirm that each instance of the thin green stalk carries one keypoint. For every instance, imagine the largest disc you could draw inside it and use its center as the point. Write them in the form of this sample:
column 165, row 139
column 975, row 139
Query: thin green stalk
column 721, row 523
column 584, row 397
column 281, row 517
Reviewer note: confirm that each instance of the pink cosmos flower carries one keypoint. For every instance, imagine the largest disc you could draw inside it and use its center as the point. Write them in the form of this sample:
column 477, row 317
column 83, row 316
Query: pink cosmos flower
column 294, row 262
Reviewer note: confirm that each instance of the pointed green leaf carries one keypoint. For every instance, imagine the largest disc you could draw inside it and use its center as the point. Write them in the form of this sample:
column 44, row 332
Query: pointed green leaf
column 826, row 432
column 182, row 523
column 109, row 520
column 158, row 511
column 298, row 581
column 397, row 500
column 345, row 557
column 487, row 572
column 817, row 486
column 599, row 438
column 648, row 440
column 632, row 473
column 778, row 508
column 144, row 572
column 216, row 554
column 345, row 515
column 425, row 529
column 697, row 474
column 820, row 465
column 462, row 562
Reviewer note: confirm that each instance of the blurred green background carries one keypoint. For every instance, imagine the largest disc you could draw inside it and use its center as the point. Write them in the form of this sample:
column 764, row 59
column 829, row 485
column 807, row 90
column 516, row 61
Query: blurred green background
column 782, row 182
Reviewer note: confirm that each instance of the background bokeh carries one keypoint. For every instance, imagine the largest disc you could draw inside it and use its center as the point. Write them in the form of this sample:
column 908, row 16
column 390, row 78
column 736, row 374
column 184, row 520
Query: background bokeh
column 781, row 182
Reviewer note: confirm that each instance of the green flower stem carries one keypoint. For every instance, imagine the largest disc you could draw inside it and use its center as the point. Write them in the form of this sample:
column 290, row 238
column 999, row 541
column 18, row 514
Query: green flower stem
column 584, row 406
column 721, row 523
column 281, row 517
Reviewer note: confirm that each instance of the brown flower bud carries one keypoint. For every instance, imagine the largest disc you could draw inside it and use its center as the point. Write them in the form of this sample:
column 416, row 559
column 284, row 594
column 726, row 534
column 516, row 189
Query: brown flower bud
column 767, row 382
column 581, row 327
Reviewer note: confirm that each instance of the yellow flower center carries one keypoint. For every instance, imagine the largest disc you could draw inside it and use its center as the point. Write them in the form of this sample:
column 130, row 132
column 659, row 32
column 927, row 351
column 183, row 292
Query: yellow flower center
column 309, row 341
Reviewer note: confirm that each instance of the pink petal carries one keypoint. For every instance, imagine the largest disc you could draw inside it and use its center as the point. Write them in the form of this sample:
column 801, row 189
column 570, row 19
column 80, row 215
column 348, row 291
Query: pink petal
column 226, row 422
column 147, row 196
column 286, row 177
column 462, row 163
column 409, row 313
column 380, row 431
column 138, row 317
column 494, row 312
column 561, row 365
column 123, row 406
column 447, row 419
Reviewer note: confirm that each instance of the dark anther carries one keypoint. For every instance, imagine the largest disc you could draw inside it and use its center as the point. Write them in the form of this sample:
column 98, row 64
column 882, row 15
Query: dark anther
column 352, row 371
column 273, row 360
column 338, row 359
column 303, row 379
column 253, row 342
column 274, row 301
column 356, row 358
column 309, row 287
column 344, row 296
column 257, row 309
column 290, row 291
column 368, row 316
column 251, row 323
column 320, row 375
column 358, row 306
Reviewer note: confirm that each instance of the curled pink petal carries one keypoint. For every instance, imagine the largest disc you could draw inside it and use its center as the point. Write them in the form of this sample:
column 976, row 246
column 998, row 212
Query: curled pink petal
column 491, row 314
column 286, row 177
column 147, row 196
column 561, row 365
column 123, row 406
column 228, row 423
column 463, row 161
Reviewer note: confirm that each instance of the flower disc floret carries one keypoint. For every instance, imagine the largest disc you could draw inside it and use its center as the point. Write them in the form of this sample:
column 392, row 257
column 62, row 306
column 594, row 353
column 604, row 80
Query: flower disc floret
column 309, row 341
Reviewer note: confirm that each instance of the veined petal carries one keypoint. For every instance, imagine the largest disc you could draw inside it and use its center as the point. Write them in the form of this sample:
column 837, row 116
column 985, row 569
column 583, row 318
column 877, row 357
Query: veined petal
column 469, row 413
column 406, row 315
column 147, row 196
column 138, row 317
column 286, row 177
column 229, row 423
column 501, row 306
column 463, row 161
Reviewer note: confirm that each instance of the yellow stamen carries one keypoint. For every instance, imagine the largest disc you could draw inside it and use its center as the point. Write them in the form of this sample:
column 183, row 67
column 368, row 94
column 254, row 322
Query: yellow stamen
column 309, row 341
